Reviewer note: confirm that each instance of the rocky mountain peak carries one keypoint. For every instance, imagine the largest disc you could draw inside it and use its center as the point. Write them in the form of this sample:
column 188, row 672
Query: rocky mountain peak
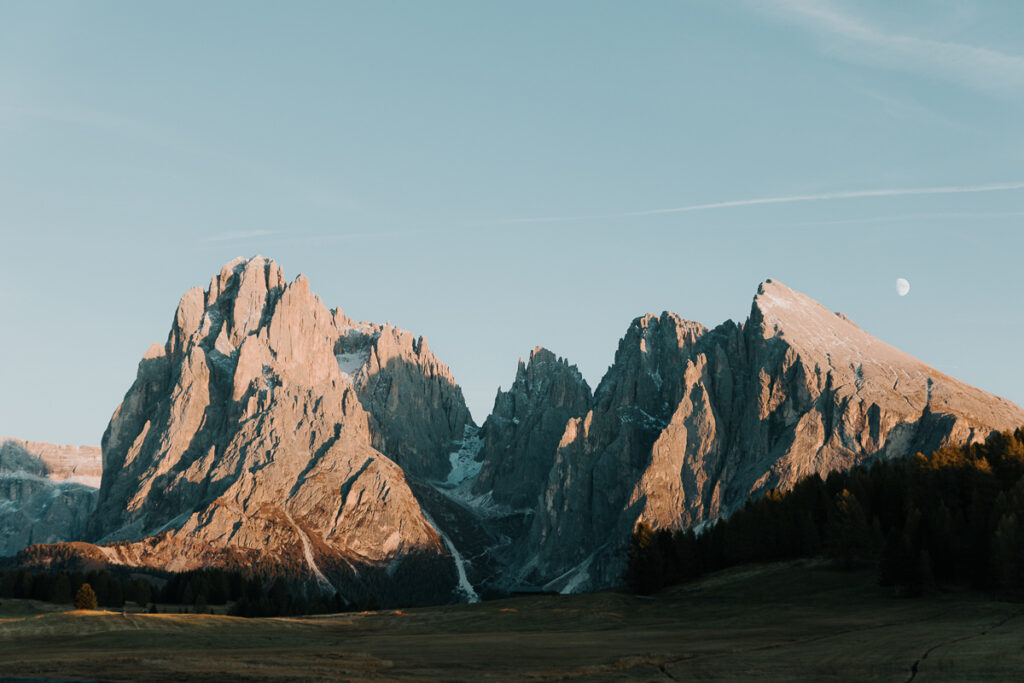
column 806, row 323
column 239, row 433
column 419, row 415
column 521, row 434
column 835, row 351
column 688, row 424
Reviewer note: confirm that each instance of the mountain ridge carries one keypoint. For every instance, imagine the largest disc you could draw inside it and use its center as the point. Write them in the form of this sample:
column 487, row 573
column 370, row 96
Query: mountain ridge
column 271, row 432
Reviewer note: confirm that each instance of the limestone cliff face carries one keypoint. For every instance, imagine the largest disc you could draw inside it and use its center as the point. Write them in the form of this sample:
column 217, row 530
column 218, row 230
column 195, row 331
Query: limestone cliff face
column 46, row 492
column 418, row 414
column 521, row 435
column 600, row 454
column 689, row 429
column 244, row 440
column 272, row 434
column 800, row 390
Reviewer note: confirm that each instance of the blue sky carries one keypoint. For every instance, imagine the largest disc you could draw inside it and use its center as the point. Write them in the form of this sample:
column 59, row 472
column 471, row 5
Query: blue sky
column 492, row 175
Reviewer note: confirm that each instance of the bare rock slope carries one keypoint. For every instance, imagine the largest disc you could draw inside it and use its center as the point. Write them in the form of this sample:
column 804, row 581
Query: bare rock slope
column 245, row 442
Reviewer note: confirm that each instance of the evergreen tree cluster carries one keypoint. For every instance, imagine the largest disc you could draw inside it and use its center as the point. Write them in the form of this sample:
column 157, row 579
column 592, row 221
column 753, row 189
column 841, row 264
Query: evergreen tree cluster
column 197, row 591
column 62, row 587
column 276, row 601
column 953, row 517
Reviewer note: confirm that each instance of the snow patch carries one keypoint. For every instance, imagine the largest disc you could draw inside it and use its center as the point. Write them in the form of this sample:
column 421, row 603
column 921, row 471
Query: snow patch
column 91, row 481
column 640, row 417
column 270, row 381
column 580, row 575
column 464, row 460
column 352, row 362
column 704, row 526
column 307, row 551
column 458, row 487
column 465, row 587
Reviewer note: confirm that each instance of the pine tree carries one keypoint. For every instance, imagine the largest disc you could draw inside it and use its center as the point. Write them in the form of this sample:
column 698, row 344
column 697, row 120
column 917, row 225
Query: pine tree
column 645, row 571
column 890, row 567
column 86, row 598
column 115, row 594
column 1008, row 554
column 62, row 590
column 851, row 535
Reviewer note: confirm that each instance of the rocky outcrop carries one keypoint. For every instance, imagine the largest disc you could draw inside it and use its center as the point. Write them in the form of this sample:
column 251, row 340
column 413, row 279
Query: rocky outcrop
column 688, row 424
column 418, row 415
column 599, row 455
column 244, row 441
column 522, row 433
column 46, row 492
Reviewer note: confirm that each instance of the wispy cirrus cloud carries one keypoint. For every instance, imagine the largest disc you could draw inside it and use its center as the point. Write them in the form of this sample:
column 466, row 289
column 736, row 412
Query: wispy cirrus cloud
column 856, row 39
column 787, row 199
column 934, row 215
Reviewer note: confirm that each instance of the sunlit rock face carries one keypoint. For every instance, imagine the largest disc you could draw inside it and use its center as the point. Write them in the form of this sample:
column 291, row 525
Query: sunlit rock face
column 47, row 492
column 245, row 440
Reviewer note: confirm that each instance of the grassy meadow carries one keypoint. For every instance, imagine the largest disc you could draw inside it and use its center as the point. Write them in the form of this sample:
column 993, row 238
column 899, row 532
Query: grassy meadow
column 778, row 622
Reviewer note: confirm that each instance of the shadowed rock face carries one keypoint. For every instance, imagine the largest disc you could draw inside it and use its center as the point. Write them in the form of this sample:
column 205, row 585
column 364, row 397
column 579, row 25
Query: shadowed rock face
column 522, row 433
column 600, row 454
column 46, row 492
column 244, row 439
column 418, row 414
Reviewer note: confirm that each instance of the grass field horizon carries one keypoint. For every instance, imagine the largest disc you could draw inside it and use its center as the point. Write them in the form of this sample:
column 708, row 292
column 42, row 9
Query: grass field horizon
column 781, row 621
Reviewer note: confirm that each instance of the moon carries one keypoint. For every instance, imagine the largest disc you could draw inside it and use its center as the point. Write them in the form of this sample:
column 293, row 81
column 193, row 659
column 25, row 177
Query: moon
column 902, row 287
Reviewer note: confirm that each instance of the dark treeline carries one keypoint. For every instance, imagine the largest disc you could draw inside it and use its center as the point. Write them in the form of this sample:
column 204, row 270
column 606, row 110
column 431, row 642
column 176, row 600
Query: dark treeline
column 953, row 517
column 61, row 587
column 197, row 591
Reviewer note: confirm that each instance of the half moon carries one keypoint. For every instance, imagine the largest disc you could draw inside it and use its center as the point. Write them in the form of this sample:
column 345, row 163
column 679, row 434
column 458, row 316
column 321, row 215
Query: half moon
column 902, row 287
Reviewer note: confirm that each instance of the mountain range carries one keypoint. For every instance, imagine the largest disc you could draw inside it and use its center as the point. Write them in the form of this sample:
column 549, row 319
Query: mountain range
column 274, row 435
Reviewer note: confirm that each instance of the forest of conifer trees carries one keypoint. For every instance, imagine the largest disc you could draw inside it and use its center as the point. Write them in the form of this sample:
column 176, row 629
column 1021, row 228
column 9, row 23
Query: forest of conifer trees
column 955, row 517
column 196, row 591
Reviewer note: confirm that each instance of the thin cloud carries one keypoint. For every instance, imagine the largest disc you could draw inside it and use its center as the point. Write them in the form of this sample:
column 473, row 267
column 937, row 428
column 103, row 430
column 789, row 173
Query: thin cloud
column 856, row 39
column 854, row 194
column 917, row 216
column 790, row 199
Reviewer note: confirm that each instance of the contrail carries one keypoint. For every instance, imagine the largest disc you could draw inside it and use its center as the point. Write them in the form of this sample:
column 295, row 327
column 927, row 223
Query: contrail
column 855, row 194
column 791, row 199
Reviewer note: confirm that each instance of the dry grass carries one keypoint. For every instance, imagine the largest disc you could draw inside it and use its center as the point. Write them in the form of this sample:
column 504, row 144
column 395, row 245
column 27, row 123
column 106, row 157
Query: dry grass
column 780, row 622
